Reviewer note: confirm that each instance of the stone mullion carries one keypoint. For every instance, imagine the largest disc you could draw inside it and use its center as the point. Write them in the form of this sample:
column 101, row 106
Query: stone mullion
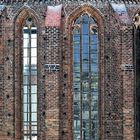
column 52, row 84
column 128, row 84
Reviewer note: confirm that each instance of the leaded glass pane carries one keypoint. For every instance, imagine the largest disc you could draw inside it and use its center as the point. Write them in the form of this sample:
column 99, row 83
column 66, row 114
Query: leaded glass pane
column 34, row 61
column 34, row 117
column 92, row 21
column 25, row 89
column 34, row 137
column 33, row 88
column 34, row 107
column 33, row 79
column 33, row 52
column 33, row 42
column 26, row 61
column 26, row 42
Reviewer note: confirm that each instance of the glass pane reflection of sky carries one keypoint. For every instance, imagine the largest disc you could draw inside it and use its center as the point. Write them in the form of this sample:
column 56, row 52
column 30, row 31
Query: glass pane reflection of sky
column 85, row 79
column 30, row 83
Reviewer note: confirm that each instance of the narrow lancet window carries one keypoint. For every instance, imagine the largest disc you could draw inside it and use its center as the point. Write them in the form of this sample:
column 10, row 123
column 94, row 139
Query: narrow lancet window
column 29, row 67
column 85, row 78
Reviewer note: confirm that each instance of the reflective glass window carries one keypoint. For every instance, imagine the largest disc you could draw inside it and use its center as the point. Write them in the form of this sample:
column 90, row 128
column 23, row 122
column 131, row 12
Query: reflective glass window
column 29, row 81
column 85, row 78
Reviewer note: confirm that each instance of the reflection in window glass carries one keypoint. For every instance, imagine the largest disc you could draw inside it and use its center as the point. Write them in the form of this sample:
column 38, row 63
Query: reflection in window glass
column 29, row 82
column 85, row 79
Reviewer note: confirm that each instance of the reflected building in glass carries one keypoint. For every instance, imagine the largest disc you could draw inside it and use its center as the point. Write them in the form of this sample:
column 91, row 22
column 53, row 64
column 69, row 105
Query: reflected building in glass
column 85, row 78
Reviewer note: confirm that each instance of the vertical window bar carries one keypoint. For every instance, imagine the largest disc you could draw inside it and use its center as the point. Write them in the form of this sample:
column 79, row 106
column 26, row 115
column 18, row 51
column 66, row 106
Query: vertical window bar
column 94, row 83
column 76, row 80
column 89, row 80
column 85, row 78
column 81, row 88
column 29, row 104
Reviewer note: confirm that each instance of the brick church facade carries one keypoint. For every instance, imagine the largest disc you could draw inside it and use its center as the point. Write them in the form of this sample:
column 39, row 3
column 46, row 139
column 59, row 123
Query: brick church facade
column 69, row 70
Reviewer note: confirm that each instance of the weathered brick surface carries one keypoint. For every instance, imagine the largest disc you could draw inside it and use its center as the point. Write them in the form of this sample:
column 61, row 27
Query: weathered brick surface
column 52, row 56
column 1, row 75
column 55, row 112
column 128, row 84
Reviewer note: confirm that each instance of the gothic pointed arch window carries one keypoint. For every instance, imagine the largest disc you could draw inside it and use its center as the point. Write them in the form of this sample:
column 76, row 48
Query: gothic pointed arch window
column 85, row 78
column 29, row 84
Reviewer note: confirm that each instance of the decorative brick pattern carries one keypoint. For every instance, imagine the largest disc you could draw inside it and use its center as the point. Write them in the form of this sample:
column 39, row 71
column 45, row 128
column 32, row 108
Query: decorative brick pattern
column 67, row 1
column 113, row 89
column 55, row 98
column 52, row 111
column 128, row 85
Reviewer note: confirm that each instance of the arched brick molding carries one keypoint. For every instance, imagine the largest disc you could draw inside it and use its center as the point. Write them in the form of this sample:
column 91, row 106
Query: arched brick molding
column 19, row 21
column 96, row 14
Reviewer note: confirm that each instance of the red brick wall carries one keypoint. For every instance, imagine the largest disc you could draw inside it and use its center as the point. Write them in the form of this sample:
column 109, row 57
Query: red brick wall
column 116, row 90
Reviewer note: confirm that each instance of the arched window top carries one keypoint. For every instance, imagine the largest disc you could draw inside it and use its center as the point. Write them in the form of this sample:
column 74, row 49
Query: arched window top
column 76, row 30
column 85, row 18
column 87, row 23
column 89, row 12
column 29, row 22
column 26, row 14
column 92, row 21
column 77, row 21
